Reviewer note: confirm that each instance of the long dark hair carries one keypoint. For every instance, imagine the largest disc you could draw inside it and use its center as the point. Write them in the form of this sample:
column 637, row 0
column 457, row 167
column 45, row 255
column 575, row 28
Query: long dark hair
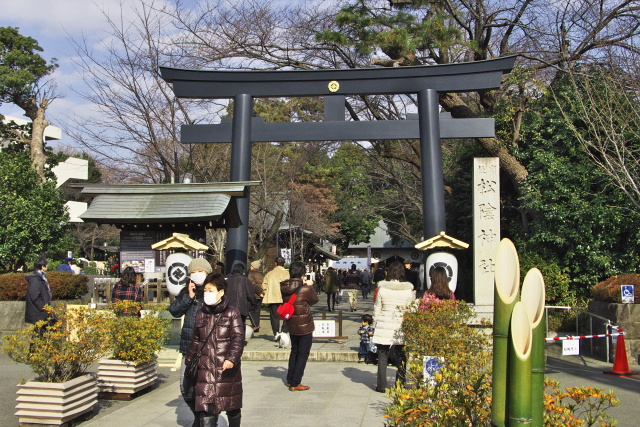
column 128, row 276
column 396, row 271
column 440, row 283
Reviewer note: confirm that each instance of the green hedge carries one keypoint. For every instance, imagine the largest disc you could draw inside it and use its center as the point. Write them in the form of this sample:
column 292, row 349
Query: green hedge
column 64, row 286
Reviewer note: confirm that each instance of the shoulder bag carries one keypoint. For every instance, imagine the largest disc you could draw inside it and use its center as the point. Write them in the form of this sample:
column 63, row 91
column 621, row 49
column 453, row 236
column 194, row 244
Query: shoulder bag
column 191, row 370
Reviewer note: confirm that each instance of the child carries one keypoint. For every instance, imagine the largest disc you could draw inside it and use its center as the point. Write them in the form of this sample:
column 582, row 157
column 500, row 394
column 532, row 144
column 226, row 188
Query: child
column 219, row 381
column 366, row 332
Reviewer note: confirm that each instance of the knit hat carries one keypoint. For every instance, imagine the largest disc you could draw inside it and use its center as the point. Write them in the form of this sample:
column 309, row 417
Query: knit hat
column 199, row 264
column 256, row 264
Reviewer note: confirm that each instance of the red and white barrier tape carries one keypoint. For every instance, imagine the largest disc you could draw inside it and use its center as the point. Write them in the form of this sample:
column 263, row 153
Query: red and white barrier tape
column 585, row 336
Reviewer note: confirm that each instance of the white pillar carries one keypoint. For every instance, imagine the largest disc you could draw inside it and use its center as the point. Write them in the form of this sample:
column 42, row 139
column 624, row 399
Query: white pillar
column 486, row 226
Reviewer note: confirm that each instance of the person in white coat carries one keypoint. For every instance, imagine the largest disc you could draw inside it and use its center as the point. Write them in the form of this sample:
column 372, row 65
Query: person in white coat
column 395, row 295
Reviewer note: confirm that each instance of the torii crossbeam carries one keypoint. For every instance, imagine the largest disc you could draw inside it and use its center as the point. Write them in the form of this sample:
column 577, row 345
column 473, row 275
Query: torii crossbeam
column 334, row 85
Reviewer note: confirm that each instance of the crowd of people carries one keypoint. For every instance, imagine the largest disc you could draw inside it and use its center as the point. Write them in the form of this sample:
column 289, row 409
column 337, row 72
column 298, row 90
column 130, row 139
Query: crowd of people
column 215, row 310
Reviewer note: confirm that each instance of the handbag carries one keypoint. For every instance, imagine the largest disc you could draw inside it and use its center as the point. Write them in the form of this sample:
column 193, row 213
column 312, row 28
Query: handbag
column 191, row 370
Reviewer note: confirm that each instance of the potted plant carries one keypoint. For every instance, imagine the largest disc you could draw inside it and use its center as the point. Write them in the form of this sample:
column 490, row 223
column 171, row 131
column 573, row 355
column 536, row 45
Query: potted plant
column 134, row 340
column 59, row 351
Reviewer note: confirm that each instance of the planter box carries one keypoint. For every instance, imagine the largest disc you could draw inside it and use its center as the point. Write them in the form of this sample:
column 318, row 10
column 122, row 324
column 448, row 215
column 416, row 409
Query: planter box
column 56, row 403
column 625, row 315
column 119, row 379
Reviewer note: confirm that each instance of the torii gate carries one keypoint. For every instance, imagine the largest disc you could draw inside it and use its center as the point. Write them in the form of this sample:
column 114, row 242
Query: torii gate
column 429, row 128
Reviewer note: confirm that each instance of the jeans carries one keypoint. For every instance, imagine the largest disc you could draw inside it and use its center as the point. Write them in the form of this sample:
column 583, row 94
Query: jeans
column 300, row 349
column 331, row 298
column 383, row 360
column 254, row 315
column 365, row 290
column 275, row 320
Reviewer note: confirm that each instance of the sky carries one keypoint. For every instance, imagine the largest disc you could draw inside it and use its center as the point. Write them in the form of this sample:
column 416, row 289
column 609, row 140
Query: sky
column 52, row 23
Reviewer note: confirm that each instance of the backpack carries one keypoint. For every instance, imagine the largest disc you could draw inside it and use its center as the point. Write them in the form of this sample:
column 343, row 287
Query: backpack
column 285, row 311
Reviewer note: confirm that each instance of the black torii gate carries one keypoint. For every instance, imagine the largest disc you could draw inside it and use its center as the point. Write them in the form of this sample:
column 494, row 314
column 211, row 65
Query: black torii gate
column 429, row 128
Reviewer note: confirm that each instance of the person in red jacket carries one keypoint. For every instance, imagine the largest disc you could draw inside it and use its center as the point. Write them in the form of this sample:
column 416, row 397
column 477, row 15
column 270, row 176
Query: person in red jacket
column 219, row 332
column 300, row 325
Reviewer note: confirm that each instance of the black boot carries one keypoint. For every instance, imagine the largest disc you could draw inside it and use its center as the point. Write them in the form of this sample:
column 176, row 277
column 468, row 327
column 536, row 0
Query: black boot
column 196, row 417
column 208, row 420
column 234, row 420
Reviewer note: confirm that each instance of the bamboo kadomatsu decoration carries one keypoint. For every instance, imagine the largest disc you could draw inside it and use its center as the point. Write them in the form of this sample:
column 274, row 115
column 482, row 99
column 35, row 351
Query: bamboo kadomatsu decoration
column 507, row 282
column 533, row 297
column 520, row 343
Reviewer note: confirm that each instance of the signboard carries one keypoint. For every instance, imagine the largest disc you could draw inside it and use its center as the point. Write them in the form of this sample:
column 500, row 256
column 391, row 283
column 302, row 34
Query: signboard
column 431, row 366
column 627, row 294
column 149, row 265
column 571, row 347
column 286, row 254
column 135, row 248
column 486, row 226
column 324, row 328
column 361, row 263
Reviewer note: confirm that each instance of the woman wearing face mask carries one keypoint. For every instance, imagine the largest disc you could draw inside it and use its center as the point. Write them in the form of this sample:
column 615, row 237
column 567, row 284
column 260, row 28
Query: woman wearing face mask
column 219, row 336
column 187, row 304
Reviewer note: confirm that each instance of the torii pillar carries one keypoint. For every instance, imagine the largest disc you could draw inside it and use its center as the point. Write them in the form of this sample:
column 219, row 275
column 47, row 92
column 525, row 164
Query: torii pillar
column 333, row 85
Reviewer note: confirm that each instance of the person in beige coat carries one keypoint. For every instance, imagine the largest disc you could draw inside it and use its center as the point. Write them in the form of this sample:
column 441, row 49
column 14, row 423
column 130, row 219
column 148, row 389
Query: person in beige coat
column 395, row 295
column 272, row 295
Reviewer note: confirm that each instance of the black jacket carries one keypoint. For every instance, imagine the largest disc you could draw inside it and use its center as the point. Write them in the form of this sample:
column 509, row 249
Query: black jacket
column 218, row 390
column 38, row 295
column 188, row 307
column 240, row 293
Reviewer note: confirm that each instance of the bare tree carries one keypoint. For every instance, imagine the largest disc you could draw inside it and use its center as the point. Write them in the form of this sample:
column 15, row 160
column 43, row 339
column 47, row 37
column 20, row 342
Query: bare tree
column 604, row 116
column 134, row 118
column 548, row 36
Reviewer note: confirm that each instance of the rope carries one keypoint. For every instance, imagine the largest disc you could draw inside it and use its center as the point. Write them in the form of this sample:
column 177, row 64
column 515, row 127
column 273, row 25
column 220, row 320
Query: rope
column 584, row 336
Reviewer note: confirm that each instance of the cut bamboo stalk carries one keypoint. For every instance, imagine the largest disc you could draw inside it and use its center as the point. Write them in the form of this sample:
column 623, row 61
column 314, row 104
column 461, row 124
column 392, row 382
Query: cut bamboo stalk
column 533, row 297
column 520, row 343
column 507, row 282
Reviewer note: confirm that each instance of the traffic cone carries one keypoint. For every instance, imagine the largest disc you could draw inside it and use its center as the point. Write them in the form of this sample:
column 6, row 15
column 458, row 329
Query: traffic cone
column 620, row 363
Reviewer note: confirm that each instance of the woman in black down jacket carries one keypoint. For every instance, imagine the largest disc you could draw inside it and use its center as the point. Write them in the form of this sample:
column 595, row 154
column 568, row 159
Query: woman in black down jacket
column 219, row 380
column 187, row 304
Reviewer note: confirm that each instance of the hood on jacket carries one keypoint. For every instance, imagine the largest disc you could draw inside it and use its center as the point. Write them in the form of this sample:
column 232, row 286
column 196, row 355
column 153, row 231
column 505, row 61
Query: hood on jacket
column 395, row 285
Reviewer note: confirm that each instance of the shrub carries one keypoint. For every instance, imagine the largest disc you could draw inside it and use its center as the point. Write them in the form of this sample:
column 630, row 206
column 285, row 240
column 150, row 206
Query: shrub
column 578, row 406
column 134, row 338
column 556, row 279
column 609, row 289
column 64, row 286
column 461, row 391
column 63, row 348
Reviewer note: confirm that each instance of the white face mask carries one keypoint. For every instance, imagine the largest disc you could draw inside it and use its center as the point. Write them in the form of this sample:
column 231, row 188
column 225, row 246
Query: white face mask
column 198, row 278
column 212, row 298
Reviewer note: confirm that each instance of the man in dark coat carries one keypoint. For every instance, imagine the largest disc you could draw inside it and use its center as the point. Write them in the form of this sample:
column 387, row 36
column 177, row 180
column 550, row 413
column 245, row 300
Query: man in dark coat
column 257, row 278
column 300, row 325
column 352, row 284
column 240, row 292
column 38, row 293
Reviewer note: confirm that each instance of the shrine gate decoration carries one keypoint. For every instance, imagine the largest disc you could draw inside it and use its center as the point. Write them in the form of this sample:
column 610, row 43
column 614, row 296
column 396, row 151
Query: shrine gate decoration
column 428, row 125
